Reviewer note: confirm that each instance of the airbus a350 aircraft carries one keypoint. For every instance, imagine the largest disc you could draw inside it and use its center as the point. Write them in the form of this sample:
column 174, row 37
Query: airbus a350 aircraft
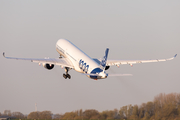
column 71, row 57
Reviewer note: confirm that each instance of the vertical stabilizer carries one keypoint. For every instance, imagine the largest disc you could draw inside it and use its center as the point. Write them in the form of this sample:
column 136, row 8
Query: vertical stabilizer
column 103, row 62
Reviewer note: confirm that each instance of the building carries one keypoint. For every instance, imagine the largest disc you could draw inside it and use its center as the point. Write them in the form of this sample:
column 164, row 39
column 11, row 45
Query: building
column 7, row 118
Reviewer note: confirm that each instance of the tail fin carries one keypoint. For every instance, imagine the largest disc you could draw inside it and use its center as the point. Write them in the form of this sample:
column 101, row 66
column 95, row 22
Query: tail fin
column 103, row 62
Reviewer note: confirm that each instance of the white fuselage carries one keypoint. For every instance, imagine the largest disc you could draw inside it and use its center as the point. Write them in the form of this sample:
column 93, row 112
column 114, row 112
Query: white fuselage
column 82, row 62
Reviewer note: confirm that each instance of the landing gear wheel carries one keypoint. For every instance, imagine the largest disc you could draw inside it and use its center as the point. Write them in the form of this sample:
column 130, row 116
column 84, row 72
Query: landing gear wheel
column 65, row 76
column 69, row 76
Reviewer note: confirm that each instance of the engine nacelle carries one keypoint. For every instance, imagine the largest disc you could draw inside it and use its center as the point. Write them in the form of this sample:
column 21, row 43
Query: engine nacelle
column 48, row 66
column 107, row 67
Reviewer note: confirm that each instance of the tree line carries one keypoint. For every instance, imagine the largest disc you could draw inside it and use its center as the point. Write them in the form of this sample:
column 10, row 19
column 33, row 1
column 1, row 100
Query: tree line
column 13, row 114
column 163, row 107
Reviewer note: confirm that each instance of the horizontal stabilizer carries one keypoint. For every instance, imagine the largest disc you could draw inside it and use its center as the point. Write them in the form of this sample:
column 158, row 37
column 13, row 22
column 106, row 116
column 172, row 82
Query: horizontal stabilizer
column 175, row 55
column 109, row 74
column 120, row 75
column 91, row 74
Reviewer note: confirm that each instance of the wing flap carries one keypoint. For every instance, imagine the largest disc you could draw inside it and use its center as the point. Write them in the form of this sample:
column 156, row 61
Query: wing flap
column 61, row 62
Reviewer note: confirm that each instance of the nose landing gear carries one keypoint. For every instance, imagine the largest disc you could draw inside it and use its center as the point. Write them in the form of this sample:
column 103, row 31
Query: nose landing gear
column 66, row 75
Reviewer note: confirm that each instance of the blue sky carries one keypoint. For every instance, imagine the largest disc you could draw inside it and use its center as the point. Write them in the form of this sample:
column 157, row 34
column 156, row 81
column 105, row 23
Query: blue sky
column 130, row 29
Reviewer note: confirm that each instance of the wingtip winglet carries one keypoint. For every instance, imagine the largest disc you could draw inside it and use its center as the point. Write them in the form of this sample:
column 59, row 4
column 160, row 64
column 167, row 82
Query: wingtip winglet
column 4, row 54
column 175, row 55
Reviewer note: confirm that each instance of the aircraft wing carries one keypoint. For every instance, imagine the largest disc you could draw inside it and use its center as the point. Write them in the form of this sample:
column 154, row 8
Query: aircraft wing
column 131, row 62
column 56, row 61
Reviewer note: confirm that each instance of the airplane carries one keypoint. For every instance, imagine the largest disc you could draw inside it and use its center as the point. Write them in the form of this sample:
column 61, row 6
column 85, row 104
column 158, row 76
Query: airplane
column 71, row 57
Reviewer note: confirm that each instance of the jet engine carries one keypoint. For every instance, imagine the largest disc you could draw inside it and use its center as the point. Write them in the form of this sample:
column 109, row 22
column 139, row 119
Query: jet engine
column 107, row 67
column 48, row 66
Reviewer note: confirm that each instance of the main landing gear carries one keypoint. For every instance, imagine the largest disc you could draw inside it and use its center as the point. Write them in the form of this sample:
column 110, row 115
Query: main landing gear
column 66, row 75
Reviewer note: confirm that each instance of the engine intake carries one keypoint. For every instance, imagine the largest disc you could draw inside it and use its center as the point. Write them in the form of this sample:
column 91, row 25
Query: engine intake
column 48, row 66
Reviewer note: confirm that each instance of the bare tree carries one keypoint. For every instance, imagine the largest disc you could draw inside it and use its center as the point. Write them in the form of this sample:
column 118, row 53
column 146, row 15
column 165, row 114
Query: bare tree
column 18, row 115
column 135, row 113
column 7, row 112
column 142, row 110
column 57, row 116
column 34, row 115
column 91, row 114
column 69, row 115
column 46, row 115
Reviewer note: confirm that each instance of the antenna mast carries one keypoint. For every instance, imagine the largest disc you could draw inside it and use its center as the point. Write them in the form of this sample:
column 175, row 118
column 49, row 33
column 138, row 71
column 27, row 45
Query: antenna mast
column 35, row 107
